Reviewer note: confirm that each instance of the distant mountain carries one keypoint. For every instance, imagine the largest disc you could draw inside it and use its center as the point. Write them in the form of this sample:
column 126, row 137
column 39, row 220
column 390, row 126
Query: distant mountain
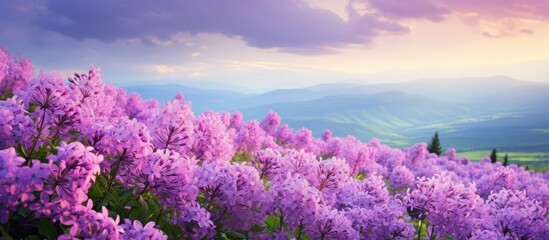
column 201, row 99
column 459, row 90
column 469, row 113
column 526, row 97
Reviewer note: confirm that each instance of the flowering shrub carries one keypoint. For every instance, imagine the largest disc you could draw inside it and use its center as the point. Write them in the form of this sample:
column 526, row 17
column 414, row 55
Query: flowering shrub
column 78, row 156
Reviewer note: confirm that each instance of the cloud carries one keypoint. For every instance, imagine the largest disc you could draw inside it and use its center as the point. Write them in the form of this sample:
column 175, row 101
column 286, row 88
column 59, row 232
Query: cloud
column 401, row 9
column 287, row 25
column 197, row 75
column 195, row 54
column 293, row 26
column 160, row 68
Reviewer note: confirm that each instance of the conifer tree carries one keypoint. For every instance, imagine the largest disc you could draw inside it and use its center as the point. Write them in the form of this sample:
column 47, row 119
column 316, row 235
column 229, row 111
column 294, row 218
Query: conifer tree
column 505, row 160
column 434, row 146
column 494, row 155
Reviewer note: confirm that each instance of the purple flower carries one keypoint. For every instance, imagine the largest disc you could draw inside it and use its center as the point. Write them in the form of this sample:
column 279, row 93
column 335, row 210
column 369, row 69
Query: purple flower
column 516, row 216
column 382, row 221
column 303, row 139
column 88, row 88
column 136, row 230
column 139, row 109
column 453, row 209
column 359, row 156
column 284, row 134
column 211, row 139
column 293, row 201
column 127, row 142
column 250, row 137
column 171, row 126
column 18, row 182
column 400, row 177
column 170, row 177
column 270, row 123
column 195, row 222
column 89, row 224
column 236, row 120
column 73, row 171
column 8, row 122
column 329, row 174
column 365, row 193
column 331, row 224
column 232, row 191
column 267, row 163
column 298, row 162
column 20, row 71
column 326, row 135
column 4, row 65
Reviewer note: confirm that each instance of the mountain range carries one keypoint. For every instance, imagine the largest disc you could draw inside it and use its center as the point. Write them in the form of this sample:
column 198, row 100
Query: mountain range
column 469, row 113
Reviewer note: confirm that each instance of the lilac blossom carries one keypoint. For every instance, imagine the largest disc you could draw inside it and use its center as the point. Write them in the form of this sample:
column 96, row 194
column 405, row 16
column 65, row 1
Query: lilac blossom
column 18, row 182
column 453, row 209
column 89, row 224
column 139, row 109
column 267, row 162
column 232, row 191
column 293, row 201
column 270, row 123
column 297, row 162
column 16, row 127
column 382, row 221
column 136, row 230
column 517, row 217
column 73, row 170
column 331, row 224
column 249, row 138
column 401, row 177
column 284, row 134
column 329, row 174
column 171, row 126
column 170, row 177
column 20, row 71
column 4, row 65
column 195, row 222
column 365, row 193
column 211, row 139
column 128, row 142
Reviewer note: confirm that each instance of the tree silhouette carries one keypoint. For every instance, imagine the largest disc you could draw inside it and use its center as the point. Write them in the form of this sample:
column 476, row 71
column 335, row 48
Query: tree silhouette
column 434, row 146
column 505, row 160
column 494, row 155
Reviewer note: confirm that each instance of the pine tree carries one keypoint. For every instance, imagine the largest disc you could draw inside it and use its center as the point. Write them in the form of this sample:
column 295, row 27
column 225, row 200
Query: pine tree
column 505, row 160
column 434, row 146
column 494, row 155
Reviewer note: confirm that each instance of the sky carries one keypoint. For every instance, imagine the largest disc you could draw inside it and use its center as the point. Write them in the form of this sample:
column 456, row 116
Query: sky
column 266, row 44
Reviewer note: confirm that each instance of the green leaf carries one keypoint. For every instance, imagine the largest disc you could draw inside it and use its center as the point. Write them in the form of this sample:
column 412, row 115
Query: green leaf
column 272, row 223
column 33, row 237
column 47, row 229
column 20, row 150
column 125, row 194
column 234, row 235
column 5, row 233
column 140, row 210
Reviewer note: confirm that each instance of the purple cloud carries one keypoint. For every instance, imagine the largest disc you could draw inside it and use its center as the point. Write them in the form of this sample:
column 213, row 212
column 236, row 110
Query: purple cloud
column 290, row 25
column 417, row 9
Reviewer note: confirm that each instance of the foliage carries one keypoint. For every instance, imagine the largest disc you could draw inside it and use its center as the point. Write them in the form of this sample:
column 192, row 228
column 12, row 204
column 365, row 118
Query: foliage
column 434, row 145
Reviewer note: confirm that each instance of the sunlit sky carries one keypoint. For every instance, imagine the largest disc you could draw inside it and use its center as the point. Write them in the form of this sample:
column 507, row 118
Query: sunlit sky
column 281, row 43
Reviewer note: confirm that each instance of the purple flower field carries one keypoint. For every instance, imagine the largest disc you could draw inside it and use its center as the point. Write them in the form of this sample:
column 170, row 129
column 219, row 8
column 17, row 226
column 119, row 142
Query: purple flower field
column 82, row 159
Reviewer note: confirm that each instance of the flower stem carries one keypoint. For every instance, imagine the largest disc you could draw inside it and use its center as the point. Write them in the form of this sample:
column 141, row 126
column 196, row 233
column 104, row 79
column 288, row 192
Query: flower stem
column 419, row 231
column 35, row 141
